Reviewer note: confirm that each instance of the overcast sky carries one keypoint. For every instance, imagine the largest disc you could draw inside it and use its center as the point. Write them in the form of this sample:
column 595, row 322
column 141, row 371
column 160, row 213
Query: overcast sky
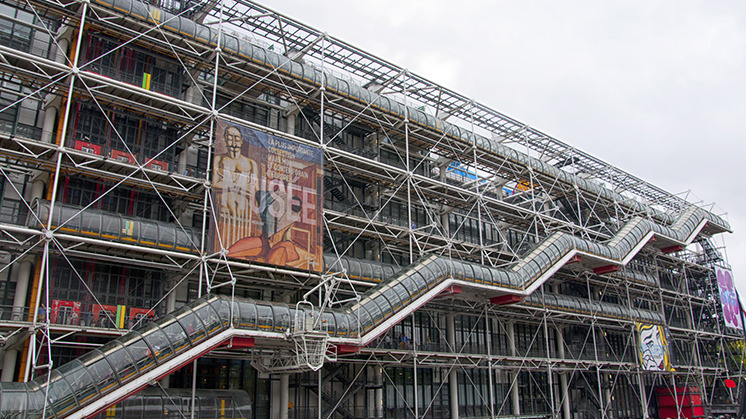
column 654, row 87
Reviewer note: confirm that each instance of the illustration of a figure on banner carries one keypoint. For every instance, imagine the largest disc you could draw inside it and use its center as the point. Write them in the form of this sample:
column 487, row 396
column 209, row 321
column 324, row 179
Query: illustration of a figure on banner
column 266, row 192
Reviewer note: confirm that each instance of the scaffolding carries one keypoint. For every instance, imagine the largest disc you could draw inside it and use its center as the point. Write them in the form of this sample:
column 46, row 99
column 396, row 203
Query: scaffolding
column 472, row 265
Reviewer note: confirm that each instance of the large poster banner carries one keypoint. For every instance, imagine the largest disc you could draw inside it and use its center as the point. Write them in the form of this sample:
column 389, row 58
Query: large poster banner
column 267, row 198
column 654, row 352
column 728, row 298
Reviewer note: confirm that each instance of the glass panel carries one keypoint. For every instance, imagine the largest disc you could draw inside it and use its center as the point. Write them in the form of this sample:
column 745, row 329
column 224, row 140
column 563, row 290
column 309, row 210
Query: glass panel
column 100, row 371
column 193, row 327
column 176, row 335
column 110, row 226
column 265, row 317
column 343, row 326
column 91, row 223
column 140, row 351
column 282, row 317
column 210, row 318
column 183, row 240
column 248, row 315
column 120, row 361
column 166, row 236
column 14, row 400
column 223, row 309
column 159, row 343
column 68, row 220
column 80, row 381
column 59, row 394
column 148, row 233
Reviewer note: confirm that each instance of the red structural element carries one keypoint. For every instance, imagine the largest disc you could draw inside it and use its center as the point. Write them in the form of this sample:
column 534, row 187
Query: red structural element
column 157, row 165
column 122, row 156
column 452, row 290
column 239, row 343
column 574, row 259
column 672, row 249
column 506, row 299
column 606, row 269
column 688, row 399
column 347, row 349
column 88, row 147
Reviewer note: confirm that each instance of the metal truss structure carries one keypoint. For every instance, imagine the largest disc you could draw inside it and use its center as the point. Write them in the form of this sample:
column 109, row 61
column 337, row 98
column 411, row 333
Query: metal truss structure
column 108, row 115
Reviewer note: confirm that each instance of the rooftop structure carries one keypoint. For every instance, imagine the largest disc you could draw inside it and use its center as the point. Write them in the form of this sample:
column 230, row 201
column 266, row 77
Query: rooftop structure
column 202, row 196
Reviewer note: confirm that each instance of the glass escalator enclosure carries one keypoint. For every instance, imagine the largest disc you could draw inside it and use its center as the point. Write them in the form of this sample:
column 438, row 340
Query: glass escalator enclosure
column 247, row 315
column 355, row 270
column 265, row 320
column 131, row 407
column 183, row 239
column 39, row 214
column 377, row 273
column 59, row 394
column 175, row 334
column 329, row 323
column 282, row 317
column 141, row 353
column 408, row 284
column 152, row 406
column 90, row 222
column 222, row 307
column 343, row 325
column 14, row 398
column 148, row 233
column 394, row 299
column 364, row 317
column 419, row 282
column 375, row 308
column 430, row 274
column 367, row 271
column 100, row 370
column 166, row 235
column 111, row 226
column 208, row 408
column 158, row 341
column 130, row 230
column 196, row 239
column 69, row 219
column 210, row 317
column 402, row 293
column 191, row 323
column 388, row 272
column 81, row 381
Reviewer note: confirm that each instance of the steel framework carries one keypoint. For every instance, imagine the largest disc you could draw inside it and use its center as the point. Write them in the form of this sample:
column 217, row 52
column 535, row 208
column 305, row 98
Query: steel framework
column 108, row 113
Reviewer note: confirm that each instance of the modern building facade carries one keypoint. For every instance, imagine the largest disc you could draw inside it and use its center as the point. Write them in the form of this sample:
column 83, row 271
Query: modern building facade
column 210, row 209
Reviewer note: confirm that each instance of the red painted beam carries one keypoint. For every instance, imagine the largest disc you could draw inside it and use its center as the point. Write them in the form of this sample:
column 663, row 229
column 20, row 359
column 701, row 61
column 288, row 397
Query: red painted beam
column 672, row 249
column 506, row 299
column 239, row 343
column 347, row 349
column 606, row 269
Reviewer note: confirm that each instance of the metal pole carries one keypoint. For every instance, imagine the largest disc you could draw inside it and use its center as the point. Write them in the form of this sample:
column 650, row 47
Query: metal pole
column 414, row 369
column 489, row 360
column 452, row 376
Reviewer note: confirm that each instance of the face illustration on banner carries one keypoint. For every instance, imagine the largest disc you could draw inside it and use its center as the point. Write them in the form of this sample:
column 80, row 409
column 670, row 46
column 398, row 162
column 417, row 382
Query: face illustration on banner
column 652, row 349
